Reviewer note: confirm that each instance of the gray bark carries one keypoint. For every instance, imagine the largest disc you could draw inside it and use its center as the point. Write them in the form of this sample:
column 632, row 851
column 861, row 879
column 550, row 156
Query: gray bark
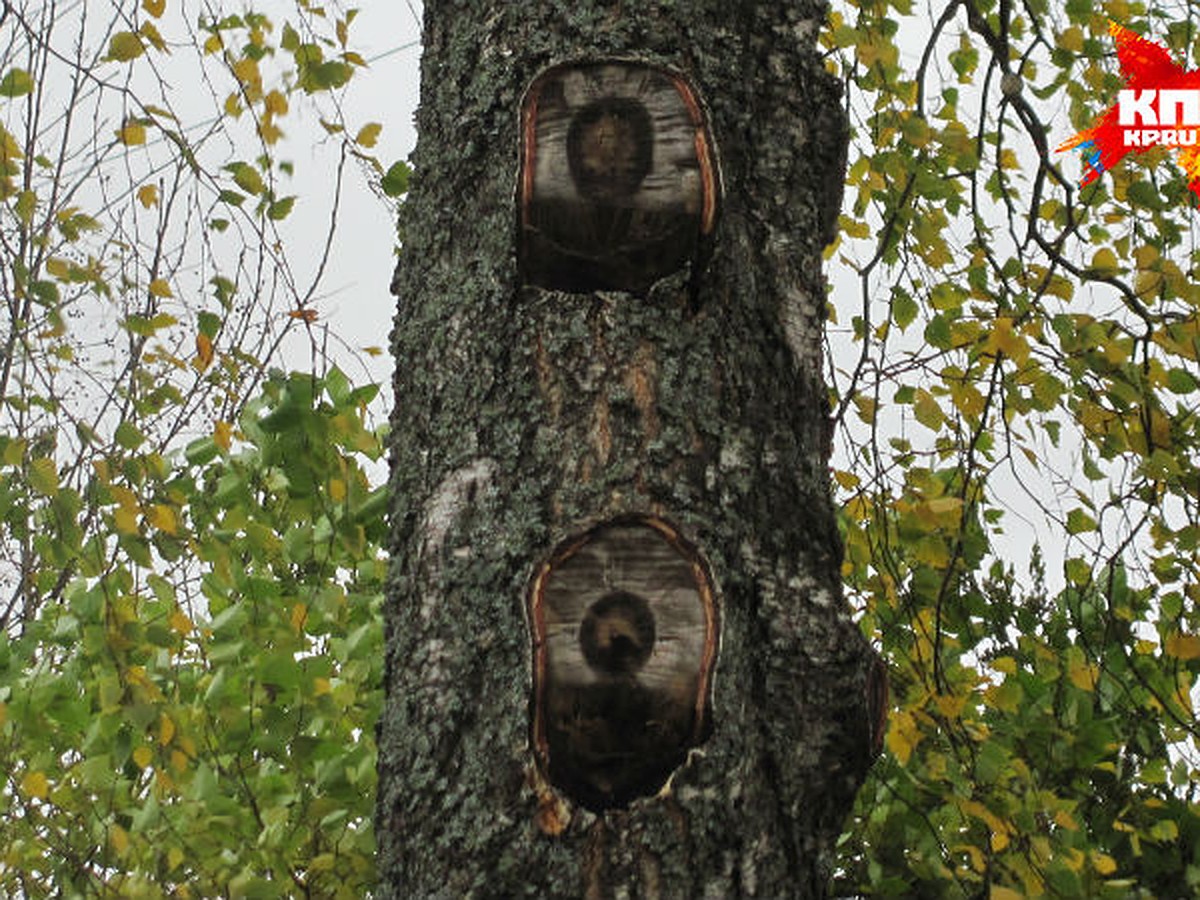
column 525, row 416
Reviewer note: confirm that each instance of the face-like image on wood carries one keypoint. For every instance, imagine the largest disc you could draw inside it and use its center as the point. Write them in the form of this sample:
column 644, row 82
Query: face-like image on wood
column 610, row 148
column 624, row 641
column 618, row 180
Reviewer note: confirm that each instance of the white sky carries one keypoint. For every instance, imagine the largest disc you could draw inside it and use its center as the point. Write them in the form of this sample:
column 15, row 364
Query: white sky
column 354, row 300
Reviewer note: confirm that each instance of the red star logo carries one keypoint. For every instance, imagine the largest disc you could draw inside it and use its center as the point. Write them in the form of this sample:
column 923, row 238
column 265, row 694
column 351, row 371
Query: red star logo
column 1144, row 117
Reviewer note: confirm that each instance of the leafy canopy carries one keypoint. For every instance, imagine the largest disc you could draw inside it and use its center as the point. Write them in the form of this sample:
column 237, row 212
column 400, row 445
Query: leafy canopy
column 1014, row 367
column 190, row 539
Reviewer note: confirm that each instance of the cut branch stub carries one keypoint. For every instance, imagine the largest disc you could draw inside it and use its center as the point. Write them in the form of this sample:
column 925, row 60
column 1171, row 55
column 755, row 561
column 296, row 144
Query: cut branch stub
column 618, row 184
column 624, row 640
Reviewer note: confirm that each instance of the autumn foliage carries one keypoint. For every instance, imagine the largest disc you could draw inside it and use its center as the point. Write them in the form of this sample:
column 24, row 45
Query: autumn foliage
column 190, row 535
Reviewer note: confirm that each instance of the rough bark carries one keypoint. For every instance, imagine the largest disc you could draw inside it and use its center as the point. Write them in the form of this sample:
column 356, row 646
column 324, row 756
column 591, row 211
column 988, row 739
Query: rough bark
column 525, row 416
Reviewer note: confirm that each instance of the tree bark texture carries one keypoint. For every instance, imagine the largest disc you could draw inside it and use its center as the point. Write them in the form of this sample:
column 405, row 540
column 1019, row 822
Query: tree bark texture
column 525, row 416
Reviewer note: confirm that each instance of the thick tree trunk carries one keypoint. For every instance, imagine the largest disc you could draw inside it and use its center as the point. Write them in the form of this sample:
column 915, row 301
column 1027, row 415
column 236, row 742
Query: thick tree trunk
column 525, row 417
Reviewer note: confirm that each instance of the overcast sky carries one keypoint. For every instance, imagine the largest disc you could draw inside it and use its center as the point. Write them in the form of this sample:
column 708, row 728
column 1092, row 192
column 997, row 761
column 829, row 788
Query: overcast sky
column 355, row 301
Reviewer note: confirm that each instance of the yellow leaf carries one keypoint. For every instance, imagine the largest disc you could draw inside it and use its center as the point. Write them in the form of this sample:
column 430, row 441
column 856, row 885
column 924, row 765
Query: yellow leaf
column 373, row 351
column 204, row 353
column 927, row 410
column 14, row 452
column 1071, row 39
column 1145, row 256
column 212, row 44
column 269, row 132
column 1103, row 863
column 180, row 622
column 945, row 510
column 34, row 784
column 150, row 33
column 233, row 104
column 43, row 476
column 163, row 518
column 1074, row 859
column 950, row 705
column 1083, row 675
column 1004, row 339
column 865, row 406
column 1064, row 819
column 179, row 761
column 119, row 838
column 166, row 729
column 154, row 7
column 125, row 520
column 58, row 267
column 1104, row 259
column 131, row 134
column 163, row 783
column 143, row 756
column 124, row 496
column 1005, row 664
column 337, row 490
column 847, row 480
column 321, row 687
column 223, row 434
column 1182, row 646
column 148, row 195
column 368, row 134
column 903, row 736
column 175, row 856
column 160, row 288
column 247, row 73
column 299, row 616
column 305, row 315
column 276, row 103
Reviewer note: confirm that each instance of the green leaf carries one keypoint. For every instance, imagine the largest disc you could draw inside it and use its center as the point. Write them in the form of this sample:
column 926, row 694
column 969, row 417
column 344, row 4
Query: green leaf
column 43, row 476
column 937, row 332
column 246, row 177
column 395, row 182
column 209, row 324
column 280, row 208
column 128, row 435
column 25, row 206
column 904, row 308
column 124, row 46
column 1181, row 381
column 1079, row 521
column 15, row 83
column 928, row 411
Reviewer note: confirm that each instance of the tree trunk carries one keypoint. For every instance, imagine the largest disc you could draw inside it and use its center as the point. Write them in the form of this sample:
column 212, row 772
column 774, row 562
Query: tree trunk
column 691, row 416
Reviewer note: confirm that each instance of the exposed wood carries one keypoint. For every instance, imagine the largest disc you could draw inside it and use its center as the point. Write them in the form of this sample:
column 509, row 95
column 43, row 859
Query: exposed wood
column 624, row 629
column 619, row 183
